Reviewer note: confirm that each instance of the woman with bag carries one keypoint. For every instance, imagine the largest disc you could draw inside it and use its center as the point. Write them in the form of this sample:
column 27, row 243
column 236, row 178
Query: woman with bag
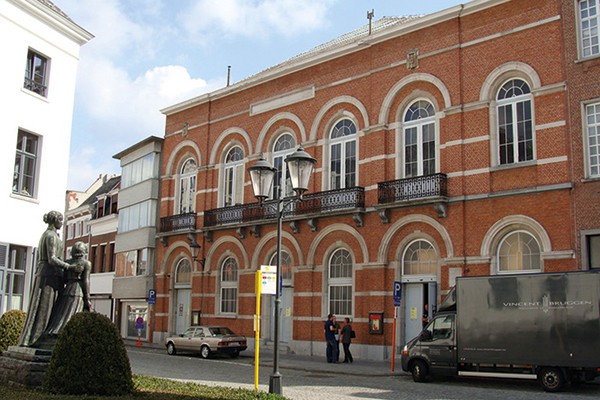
column 346, row 338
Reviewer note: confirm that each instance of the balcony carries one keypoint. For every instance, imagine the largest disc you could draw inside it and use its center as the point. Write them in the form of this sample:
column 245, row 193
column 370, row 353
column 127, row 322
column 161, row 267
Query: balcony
column 339, row 200
column 181, row 222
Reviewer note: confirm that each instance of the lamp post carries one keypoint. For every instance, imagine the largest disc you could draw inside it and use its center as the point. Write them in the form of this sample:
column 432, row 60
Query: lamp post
column 300, row 166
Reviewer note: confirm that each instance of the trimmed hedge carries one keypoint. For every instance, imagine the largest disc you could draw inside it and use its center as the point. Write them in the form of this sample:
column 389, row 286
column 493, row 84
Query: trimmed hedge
column 89, row 358
column 11, row 325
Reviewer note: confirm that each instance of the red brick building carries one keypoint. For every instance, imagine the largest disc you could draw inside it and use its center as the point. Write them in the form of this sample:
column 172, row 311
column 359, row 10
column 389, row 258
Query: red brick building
column 447, row 145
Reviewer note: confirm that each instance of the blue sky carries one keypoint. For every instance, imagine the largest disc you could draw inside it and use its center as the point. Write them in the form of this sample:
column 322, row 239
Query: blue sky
column 150, row 54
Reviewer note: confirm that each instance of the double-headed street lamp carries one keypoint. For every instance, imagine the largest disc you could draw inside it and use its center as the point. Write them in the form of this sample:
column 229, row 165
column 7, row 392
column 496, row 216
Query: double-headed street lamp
column 300, row 167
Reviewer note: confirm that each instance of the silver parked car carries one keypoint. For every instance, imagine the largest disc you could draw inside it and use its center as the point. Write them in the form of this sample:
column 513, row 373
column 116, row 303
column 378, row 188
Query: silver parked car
column 207, row 340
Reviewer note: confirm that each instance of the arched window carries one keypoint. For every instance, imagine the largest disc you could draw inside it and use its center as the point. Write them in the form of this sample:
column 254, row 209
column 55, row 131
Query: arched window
column 419, row 258
column 419, row 139
column 183, row 273
column 515, row 122
column 187, row 187
column 229, row 285
column 286, row 265
column 519, row 252
column 284, row 146
column 342, row 155
column 233, row 183
column 340, row 283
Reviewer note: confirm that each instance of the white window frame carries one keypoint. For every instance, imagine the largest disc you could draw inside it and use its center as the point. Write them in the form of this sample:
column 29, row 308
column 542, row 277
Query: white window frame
column 340, row 284
column 343, row 143
column 284, row 146
column 233, row 177
column 591, row 139
column 521, row 261
column 588, row 28
column 26, row 156
column 36, row 80
column 431, row 264
column 187, row 187
column 419, row 124
column 228, row 290
column 514, row 102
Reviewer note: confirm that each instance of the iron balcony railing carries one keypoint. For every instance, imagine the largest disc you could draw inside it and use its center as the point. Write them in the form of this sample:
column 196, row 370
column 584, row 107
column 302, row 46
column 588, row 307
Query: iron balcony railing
column 419, row 187
column 313, row 203
column 34, row 86
column 179, row 222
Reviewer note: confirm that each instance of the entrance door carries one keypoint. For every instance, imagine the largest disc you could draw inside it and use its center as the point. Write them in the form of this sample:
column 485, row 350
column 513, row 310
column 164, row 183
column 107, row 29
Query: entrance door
column 182, row 311
column 420, row 305
column 287, row 295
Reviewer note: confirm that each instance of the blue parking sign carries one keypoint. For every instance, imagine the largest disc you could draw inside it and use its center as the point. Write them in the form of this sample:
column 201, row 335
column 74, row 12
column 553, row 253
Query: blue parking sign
column 397, row 293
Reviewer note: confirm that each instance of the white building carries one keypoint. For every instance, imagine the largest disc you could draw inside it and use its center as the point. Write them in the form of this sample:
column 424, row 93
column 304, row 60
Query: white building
column 40, row 52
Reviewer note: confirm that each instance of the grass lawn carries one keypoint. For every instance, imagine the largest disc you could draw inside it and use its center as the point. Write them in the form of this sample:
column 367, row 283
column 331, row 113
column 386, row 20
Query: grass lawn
column 150, row 388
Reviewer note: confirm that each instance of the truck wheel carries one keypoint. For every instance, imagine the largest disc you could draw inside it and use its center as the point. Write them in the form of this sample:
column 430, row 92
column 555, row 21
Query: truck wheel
column 419, row 371
column 204, row 352
column 551, row 379
column 171, row 349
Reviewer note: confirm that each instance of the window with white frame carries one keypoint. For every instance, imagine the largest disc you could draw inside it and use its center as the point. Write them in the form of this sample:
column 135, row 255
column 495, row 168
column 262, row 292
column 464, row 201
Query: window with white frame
column 233, row 182
column 137, row 216
column 588, row 28
column 340, row 283
column 183, row 274
column 519, row 251
column 592, row 127
column 592, row 249
column 286, row 265
column 515, row 123
column 420, row 258
column 284, row 146
column 24, row 177
column 229, row 286
column 139, row 170
column 13, row 262
column 342, row 155
column 36, row 73
column 419, row 139
column 187, row 187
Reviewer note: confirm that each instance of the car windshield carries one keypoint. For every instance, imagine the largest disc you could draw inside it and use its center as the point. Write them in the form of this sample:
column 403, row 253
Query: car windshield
column 221, row 330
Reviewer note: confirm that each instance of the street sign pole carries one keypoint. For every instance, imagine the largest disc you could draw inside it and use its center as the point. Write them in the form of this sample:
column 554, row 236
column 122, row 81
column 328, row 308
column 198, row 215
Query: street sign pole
column 397, row 302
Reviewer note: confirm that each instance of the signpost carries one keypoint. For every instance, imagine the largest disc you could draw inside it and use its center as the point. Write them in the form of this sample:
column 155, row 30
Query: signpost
column 139, row 325
column 397, row 302
column 152, row 296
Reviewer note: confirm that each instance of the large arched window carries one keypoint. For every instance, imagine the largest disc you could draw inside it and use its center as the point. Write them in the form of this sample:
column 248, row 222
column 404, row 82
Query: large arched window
column 286, row 265
column 515, row 122
column 229, row 285
column 284, row 146
column 183, row 273
column 340, row 283
column 419, row 258
column 233, row 182
column 419, row 139
column 342, row 155
column 519, row 251
column 187, row 187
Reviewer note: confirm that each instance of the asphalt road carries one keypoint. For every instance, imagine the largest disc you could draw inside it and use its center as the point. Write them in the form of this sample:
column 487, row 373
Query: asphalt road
column 301, row 384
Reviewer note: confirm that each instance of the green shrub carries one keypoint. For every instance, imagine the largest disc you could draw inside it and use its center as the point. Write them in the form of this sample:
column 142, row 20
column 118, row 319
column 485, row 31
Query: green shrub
column 11, row 326
column 89, row 358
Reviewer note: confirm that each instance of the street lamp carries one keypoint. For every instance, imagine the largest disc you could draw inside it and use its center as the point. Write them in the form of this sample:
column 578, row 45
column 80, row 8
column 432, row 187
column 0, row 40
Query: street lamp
column 300, row 166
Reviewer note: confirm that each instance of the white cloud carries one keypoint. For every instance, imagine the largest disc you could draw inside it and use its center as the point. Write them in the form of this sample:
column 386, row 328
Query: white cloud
column 254, row 18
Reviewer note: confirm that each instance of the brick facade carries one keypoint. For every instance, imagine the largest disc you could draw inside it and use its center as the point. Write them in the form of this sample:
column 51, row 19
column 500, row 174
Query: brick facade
column 464, row 57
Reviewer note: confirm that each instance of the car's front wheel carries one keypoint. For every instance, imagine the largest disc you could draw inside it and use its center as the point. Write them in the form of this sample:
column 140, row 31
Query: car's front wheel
column 205, row 352
column 171, row 349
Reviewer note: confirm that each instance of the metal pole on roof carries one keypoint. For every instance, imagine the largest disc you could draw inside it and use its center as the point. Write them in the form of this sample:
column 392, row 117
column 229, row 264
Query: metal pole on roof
column 370, row 15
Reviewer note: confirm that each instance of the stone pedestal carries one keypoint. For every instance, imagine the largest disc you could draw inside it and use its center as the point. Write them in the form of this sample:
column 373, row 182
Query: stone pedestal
column 24, row 366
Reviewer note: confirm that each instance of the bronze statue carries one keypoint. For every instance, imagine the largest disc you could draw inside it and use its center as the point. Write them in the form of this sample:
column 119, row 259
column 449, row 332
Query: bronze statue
column 75, row 296
column 49, row 281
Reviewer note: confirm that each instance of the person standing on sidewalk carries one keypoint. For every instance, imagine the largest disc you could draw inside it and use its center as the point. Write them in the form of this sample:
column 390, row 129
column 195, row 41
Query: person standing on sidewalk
column 346, row 339
column 332, row 345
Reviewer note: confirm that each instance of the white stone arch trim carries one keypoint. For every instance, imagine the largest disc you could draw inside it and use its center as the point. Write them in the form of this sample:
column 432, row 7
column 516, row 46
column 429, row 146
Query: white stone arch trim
column 262, row 137
column 384, row 113
column 505, row 71
column 173, row 169
column 410, row 219
column 178, row 249
column 271, row 239
column 512, row 223
column 327, row 106
column 223, row 137
column 214, row 254
column 323, row 233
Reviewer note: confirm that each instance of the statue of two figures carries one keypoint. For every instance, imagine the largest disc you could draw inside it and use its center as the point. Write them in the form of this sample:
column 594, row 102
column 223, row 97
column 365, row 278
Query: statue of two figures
column 60, row 290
